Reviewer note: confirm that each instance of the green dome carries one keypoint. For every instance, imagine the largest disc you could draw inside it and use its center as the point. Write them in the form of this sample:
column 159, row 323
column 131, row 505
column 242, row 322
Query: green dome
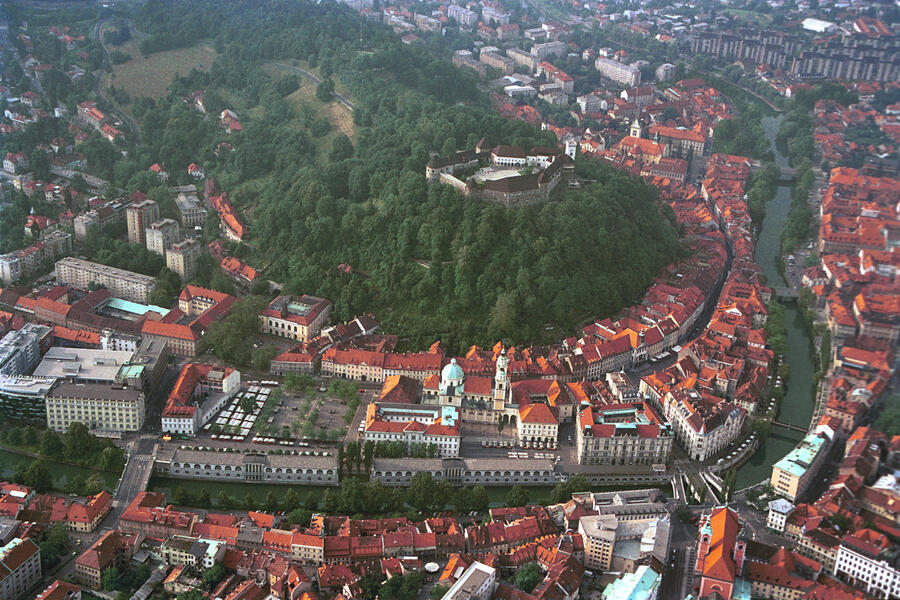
column 452, row 372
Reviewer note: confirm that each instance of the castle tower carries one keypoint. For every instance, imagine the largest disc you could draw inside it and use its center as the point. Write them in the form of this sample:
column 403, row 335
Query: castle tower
column 501, row 381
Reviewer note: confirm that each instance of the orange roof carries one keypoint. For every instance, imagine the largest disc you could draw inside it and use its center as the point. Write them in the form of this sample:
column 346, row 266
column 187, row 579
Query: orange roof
column 538, row 413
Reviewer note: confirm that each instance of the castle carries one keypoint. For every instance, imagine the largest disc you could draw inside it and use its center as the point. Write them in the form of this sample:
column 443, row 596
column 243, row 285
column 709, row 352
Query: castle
column 506, row 175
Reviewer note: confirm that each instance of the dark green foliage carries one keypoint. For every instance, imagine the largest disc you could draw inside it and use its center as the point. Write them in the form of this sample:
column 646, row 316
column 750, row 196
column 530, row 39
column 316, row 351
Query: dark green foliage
column 517, row 496
column 491, row 273
column 527, row 577
column 763, row 186
column 889, row 418
column 228, row 338
column 54, row 546
column 562, row 491
column 213, row 575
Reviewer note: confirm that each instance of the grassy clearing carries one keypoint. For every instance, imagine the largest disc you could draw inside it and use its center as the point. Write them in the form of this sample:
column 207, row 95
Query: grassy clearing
column 339, row 116
column 749, row 16
column 151, row 76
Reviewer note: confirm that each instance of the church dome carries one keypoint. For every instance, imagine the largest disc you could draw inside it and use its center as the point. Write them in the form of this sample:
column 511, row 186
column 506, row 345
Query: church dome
column 452, row 372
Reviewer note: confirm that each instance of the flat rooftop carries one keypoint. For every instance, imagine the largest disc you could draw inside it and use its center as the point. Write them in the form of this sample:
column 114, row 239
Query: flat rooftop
column 84, row 364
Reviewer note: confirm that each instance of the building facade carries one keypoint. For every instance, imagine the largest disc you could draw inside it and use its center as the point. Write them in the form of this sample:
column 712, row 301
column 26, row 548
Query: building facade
column 120, row 283
column 138, row 217
column 183, row 258
column 20, row 568
column 296, row 317
column 100, row 407
column 160, row 235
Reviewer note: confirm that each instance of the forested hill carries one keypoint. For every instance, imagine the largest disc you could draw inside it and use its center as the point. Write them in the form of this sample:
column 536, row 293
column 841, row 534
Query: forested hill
column 428, row 262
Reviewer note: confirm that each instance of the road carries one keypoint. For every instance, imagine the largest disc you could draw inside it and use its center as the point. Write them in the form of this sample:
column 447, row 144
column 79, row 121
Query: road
column 310, row 77
column 132, row 124
column 134, row 478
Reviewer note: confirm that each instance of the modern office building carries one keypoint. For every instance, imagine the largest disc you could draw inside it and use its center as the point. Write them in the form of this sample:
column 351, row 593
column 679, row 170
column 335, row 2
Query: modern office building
column 20, row 350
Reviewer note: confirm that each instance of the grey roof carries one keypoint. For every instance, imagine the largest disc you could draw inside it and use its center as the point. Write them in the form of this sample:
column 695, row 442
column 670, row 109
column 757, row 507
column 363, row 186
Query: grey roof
column 407, row 464
column 95, row 391
column 82, row 363
column 239, row 458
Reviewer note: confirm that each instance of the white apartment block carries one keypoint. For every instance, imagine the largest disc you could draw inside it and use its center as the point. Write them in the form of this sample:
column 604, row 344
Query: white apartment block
column 779, row 511
column 478, row 582
column 138, row 217
column 463, row 16
column 120, row 283
column 489, row 15
column 866, row 566
column 183, row 258
column 619, row 72
column 20, row 568
column 548, row 49
column 160, row 235
column 100, row 407
column 20, row 263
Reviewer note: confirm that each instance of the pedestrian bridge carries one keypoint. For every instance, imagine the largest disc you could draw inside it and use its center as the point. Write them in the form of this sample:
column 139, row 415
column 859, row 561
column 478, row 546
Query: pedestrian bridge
column 789, row 426
column 787, row 293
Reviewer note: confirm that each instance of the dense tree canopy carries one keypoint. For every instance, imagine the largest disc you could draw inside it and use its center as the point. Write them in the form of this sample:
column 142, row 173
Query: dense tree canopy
column 429, row 262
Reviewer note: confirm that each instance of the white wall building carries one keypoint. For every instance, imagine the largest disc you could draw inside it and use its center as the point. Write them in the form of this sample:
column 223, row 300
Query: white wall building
column 477, row 583
column 779, row 511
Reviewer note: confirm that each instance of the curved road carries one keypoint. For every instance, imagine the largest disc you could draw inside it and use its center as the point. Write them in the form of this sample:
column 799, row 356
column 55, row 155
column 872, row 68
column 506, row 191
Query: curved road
column 310, row 77
column 132, row 124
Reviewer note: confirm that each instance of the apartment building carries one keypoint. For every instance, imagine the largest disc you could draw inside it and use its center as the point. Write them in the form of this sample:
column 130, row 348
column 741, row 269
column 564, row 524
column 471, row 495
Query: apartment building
column 183, row 258
column 493, row 59
column 20, row 568
column 112, row 550
column 123, row 284
column 199, row 553
column 868, row 560
column 22, row 263
column 522, row 58
column 619, row 72
column 779, row 511
column 160, row 235
column 20, row 350
column 547, row 49
column 463, row 16
column 138, row 216
column 296, row 317
column 599, row 536
column 112, row 408
column 792, row 474
column 478, row 582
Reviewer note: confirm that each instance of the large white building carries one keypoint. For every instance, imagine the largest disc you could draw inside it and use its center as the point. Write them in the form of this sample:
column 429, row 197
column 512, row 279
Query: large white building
column 107, row 408
column 120, row 283
column 24, row 262
column 161, row 235
column 620, row 72
column 704, row 425
column 548, row 49
column 83, row 365
column 20, row 350
column 183, row 258
column 463, row 16
column 414, row 424
column 866, row 560
column 478, row 582
column 20, row 568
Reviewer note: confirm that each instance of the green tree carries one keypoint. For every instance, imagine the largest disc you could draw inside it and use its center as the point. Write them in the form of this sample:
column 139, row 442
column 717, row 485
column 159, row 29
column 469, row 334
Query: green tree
column 527, row 577
column 111, row 579
column 325, row 90
column 517, row 496
column 213, row 575
column 51, row 445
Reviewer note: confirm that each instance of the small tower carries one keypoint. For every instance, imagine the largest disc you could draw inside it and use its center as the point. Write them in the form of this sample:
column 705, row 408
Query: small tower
column 501, row 381
column 636, row 129
column 450, row 390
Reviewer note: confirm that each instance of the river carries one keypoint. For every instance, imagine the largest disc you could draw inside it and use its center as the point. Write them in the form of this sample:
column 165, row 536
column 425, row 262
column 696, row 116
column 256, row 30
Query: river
column 60, row 472
column 799, row 401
